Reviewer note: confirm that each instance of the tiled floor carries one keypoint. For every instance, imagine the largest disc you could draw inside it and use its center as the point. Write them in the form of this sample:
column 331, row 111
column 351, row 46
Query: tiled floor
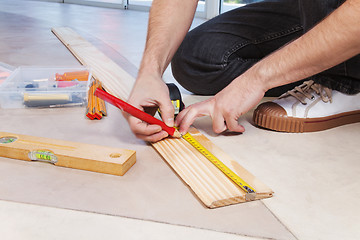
column 314, row 175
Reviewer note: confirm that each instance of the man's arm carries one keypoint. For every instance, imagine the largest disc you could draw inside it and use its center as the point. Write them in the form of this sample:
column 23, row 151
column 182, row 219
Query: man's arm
column 169, row 22
column 332, row 41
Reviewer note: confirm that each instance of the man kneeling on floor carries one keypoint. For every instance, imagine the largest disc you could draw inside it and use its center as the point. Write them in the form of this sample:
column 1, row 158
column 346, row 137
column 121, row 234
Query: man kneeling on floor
column 308, row 49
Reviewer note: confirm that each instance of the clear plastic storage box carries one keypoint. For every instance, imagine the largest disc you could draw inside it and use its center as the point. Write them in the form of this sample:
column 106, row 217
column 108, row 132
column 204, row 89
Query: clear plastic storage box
column 5, row 71
column 45, row 87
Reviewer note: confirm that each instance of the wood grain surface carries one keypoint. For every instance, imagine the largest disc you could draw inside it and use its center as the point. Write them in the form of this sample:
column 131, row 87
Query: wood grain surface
column 69, row 154
column 102, row 67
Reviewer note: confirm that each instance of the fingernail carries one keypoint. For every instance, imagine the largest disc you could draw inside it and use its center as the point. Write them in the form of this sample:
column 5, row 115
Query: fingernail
column 182, row 132
column 170, row 122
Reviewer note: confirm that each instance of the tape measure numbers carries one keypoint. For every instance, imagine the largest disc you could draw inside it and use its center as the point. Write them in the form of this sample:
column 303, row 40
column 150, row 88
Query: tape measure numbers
column 220, row 165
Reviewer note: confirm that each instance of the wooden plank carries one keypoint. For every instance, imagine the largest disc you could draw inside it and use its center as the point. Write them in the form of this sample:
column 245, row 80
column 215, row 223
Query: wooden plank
column 108, row 71
column 76, row 155
column 211, row 186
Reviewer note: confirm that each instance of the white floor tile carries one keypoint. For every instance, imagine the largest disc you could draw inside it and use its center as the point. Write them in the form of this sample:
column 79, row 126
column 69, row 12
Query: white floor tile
column 23, row 221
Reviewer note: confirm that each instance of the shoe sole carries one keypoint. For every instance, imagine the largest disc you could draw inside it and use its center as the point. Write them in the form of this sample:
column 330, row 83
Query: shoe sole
column 299, row 125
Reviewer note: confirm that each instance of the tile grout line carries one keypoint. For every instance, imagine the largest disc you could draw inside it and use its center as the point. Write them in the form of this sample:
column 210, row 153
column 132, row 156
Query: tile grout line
column 277, row 218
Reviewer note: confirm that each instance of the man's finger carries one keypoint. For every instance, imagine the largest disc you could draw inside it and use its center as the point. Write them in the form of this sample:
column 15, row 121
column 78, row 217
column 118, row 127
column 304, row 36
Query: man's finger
column 233, row 125
column 186, row 119
column 180, row 117
column 153, row 138
column 167, row 113
column 142, row 128
column 218, row 122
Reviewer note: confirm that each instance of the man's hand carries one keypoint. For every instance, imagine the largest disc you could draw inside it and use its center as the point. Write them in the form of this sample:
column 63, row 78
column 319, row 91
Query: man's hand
column 224, row 108
column 332, row 41
column 169, row 22
column 149, row 94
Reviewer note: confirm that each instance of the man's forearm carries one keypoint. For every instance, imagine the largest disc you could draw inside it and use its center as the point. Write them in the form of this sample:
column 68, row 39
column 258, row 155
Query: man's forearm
column 331, row 42
column 169, row 22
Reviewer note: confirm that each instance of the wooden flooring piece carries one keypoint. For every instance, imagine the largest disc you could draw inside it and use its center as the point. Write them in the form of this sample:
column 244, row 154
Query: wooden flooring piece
column 212, row 187
column 108, row 72
column 115, row 161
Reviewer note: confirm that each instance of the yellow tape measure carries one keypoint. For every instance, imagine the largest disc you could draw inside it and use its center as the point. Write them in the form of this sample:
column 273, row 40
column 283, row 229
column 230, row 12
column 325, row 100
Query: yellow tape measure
column 220, row 165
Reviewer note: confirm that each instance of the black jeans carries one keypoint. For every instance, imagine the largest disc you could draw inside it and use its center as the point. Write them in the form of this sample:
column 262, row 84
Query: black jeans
column 221, row 49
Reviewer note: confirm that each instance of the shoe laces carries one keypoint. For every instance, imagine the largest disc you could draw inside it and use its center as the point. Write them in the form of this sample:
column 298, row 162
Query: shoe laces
column 306, row 90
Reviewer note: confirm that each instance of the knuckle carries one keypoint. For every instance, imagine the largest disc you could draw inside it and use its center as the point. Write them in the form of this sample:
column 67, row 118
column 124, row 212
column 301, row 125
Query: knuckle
column 192, row 111
column 219, row 129
column 135, row 130
column 168, row 108
column 140, row 136
column 228, row 112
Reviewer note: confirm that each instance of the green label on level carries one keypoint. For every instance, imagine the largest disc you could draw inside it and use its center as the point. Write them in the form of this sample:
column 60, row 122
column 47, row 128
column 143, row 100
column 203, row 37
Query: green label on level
column 5, row 140
column 43, row 156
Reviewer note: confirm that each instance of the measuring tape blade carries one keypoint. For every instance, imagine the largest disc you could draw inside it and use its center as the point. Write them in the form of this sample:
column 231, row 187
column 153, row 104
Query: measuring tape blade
column 220, row 165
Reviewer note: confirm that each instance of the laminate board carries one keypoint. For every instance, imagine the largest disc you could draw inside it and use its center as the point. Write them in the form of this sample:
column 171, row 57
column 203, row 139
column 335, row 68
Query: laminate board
column 112, row 75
